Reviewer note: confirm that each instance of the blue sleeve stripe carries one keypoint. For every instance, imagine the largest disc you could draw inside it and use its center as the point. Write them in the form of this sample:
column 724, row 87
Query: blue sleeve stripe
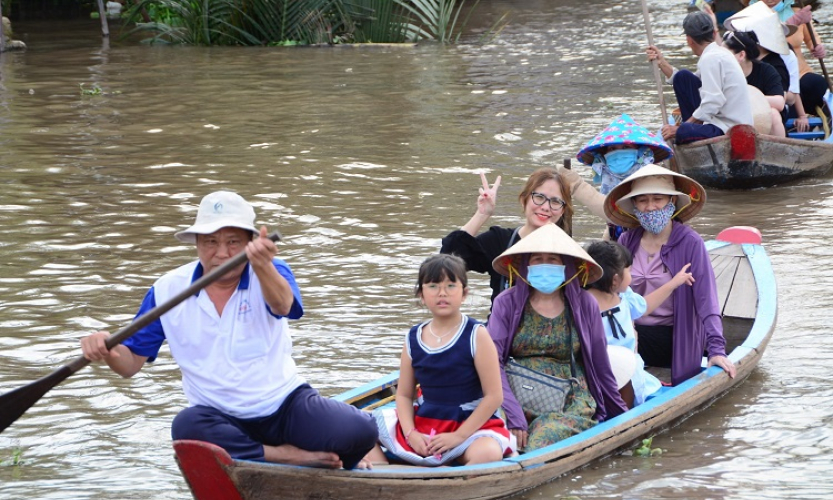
column 297, row 309
column 148, row 340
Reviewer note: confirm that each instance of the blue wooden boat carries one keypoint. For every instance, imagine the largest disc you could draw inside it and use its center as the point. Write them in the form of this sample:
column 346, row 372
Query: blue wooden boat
column 747, row 292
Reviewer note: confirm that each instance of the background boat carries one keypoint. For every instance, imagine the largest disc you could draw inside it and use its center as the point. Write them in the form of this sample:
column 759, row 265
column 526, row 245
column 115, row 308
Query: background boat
column 747, row 292
column 744, row 159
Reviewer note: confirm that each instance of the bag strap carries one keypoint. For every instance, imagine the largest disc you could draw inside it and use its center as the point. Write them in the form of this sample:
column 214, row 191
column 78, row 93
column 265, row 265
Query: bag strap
column 569, row 317
column 504, row 282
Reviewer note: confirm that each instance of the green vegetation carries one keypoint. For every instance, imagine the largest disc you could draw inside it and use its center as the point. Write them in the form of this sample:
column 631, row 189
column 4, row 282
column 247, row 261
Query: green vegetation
column 14, row 460
column 299, row 22
column 646, row 451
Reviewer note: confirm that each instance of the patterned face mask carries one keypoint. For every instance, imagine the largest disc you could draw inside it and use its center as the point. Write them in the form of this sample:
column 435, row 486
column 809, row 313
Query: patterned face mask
column 655, row 220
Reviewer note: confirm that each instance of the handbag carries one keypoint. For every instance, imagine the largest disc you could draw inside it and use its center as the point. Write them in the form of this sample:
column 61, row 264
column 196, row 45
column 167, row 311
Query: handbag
column 539, row 393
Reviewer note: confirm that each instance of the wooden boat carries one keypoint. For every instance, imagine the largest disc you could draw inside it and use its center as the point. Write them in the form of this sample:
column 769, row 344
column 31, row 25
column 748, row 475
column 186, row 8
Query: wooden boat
column 746, row 289
column 744, row 159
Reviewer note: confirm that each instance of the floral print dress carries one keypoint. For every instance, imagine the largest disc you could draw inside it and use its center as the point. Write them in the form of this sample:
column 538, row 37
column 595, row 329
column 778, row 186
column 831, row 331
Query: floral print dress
column 541, row 344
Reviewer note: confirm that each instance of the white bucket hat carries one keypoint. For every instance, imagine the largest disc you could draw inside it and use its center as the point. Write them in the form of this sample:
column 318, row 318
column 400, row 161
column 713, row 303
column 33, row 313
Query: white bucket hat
column 218, row 210
column 766, row 24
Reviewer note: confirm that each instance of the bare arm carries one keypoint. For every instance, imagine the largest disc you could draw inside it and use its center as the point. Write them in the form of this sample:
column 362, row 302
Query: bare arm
column 654, row 54
column 405, row 394
column 658, row 296
column 120, row 359
column 276, row 290
column 488, row 370
column 485, row 206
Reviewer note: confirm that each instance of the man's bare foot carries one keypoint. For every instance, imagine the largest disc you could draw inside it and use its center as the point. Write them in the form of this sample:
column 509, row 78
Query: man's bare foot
column 292, row 455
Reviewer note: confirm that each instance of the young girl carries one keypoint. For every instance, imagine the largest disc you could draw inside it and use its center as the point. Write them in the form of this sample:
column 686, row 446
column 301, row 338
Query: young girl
column 455, row 363
column 620, row 305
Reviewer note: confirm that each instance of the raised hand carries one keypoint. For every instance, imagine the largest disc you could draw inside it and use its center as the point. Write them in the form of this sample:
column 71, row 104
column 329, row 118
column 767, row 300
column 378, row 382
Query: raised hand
column 684, row 277
column 488, row 196
column 819, row 52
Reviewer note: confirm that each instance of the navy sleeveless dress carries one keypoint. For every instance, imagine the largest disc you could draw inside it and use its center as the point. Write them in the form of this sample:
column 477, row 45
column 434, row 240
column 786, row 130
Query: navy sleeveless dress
column 449, row 392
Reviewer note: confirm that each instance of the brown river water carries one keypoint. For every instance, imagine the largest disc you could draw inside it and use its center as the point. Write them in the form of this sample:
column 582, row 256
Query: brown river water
column 363, row 158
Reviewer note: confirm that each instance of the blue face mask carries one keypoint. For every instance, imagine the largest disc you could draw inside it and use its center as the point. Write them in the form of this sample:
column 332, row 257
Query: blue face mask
column 545, row 278
column 620, row 161
column 778, row 8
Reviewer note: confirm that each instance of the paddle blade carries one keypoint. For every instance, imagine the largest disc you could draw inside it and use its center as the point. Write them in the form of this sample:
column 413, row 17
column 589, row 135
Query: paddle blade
column 15, row 403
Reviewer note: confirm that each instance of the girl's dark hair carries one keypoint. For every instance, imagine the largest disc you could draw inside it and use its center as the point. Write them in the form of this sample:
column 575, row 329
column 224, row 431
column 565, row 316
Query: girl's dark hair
column 539, row 177
column 746, row 41
column 613, row 257
column 439, row 267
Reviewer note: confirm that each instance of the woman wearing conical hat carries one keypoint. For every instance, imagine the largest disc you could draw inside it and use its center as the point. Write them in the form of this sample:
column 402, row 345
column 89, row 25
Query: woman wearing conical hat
column 548, row 323
column 655, row 203
column 619, row 150
column 812, row 85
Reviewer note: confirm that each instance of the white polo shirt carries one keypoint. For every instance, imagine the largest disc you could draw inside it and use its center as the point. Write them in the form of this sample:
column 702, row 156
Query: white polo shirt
column 240, row 362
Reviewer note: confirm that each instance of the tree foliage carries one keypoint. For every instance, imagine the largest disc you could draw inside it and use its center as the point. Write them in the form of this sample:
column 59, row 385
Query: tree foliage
column 270, row 22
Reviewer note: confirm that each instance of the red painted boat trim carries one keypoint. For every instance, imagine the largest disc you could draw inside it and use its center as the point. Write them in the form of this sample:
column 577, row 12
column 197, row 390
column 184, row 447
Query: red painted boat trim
column 740, row 235
column 205, row 467
column 742, row 138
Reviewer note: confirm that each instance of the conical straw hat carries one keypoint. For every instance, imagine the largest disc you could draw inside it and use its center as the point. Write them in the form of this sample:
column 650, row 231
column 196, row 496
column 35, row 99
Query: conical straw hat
column 548, row 239
column 624, row 130
column 765, row 23
column 654, row 179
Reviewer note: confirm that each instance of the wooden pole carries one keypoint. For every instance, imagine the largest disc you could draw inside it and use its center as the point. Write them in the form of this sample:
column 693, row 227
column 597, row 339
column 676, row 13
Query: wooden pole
column 655, row 63
column 105, row 30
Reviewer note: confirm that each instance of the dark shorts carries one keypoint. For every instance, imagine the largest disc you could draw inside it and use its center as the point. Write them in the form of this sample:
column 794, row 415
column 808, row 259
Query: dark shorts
column 305, row 419
column 655, row 344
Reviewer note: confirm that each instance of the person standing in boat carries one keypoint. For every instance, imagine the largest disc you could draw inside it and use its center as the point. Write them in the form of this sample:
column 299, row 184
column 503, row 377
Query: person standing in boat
column 548, row 323
column 232, row 344
column 619, row 150
column 713, row 100
column 655, row 202
column 543, row 199
column 453, row 416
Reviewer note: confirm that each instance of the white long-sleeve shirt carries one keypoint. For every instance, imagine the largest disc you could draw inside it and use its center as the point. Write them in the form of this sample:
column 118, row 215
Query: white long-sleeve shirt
column 724, row 98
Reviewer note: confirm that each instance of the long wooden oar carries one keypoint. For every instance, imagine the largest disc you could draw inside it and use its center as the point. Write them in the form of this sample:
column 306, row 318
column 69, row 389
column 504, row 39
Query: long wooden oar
column 654, row 63
column 15, row 403
column 672, row 163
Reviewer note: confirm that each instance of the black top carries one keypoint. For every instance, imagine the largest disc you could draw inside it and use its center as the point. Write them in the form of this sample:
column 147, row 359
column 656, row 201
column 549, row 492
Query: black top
column 765, row 78
column 776, row 62
column 479, row 251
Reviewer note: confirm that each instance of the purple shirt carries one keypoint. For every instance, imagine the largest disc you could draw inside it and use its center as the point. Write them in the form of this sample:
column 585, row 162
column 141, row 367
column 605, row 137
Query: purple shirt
column 647, row 277
column 507, row 311
column 697, row 321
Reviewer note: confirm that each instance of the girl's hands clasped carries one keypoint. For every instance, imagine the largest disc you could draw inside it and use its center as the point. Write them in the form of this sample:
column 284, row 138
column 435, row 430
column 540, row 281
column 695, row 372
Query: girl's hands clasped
column 441, row 443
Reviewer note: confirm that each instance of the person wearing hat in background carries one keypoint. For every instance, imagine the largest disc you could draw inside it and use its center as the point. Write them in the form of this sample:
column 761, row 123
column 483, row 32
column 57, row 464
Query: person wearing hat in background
column 232, row 344
column 775, row 50
column 548, row 323
column 544, row 199
column 655, row 202
column 812, row 85
column 619, row 150
column 713, row 100
column 759, row 75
